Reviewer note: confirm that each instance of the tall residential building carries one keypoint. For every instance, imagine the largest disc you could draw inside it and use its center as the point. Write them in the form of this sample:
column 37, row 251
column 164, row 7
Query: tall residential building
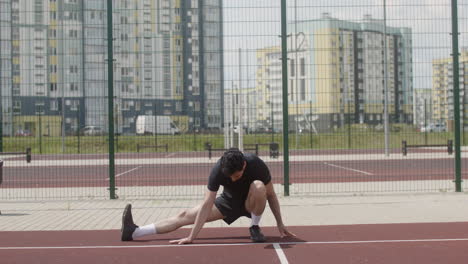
column 423, row 107
column 202, row 26
column 167, row 61
column 336, row 73
column 269, row 89
column 239, row 111
column 442, row 89
column 240, row 108
column 29, row 40
column 5, row 67
column 348, row 71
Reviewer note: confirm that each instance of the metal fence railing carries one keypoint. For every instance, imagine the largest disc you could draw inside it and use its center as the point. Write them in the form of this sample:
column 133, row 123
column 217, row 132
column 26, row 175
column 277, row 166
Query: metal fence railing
column 136, row 99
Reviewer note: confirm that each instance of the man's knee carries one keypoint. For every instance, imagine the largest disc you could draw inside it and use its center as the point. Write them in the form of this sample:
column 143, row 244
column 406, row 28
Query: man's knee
column 187, row 216
column 258, row 188
column 182, row 214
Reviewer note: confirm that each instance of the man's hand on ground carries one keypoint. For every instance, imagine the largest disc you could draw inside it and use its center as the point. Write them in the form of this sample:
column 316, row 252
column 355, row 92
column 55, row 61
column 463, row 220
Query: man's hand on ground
column 181, row 241
column 284, row 232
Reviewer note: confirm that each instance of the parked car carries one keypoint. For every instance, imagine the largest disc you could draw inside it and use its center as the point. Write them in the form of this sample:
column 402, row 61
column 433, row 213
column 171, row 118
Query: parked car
column 92, row 131
column 23, row 133
column 434, row 128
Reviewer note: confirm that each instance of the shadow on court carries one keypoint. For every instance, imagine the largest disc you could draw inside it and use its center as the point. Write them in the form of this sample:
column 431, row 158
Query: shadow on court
column 225, row 240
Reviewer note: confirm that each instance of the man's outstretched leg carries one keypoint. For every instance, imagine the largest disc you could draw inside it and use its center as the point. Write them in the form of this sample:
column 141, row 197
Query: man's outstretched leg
column 130, row 231
column 255, row 204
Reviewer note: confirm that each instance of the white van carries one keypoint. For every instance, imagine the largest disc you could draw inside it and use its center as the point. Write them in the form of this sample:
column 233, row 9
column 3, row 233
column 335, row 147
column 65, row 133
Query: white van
column 147, row 124
column 434, row 128
column 92, row 131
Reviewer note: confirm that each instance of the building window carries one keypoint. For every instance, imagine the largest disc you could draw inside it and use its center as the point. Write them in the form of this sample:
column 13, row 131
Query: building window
column 73, row 69
column 73, row 87
column 128, row 121
column 125, row 88
column 123, row 20
column 54, row 105
column 127, row 105
column 178, row 106
column 74, row 105
column 17, row 107
column 53, row 87
column 303, row 89
column 293, row 69
column 73, row 33
column 302, row 67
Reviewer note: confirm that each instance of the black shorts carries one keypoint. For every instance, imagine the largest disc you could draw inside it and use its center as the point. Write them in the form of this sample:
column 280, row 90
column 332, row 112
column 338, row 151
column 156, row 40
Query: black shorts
column 231, row 207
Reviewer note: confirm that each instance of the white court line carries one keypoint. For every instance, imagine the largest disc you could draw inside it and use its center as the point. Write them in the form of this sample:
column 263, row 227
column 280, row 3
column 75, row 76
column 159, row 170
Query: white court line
column 125, row 172
column 280, row 253
column 345, row 168
column 249, row 244
column 170, row 155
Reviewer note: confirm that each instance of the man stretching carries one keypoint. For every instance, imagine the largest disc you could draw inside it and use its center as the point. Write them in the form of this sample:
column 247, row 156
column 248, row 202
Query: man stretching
column 247, row 188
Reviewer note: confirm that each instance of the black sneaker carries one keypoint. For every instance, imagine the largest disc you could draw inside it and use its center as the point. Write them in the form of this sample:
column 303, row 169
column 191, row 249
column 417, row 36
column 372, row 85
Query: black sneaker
column 256, row 234
column 128, row 227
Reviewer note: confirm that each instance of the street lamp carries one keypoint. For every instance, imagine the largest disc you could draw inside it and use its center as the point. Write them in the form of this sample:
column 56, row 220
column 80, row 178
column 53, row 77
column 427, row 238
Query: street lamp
column 296, row 64
column 386, row 118
column 39, row 111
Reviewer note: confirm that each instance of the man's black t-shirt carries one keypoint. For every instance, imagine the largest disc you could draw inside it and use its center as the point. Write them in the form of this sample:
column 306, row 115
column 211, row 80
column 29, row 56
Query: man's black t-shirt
column 255, row 169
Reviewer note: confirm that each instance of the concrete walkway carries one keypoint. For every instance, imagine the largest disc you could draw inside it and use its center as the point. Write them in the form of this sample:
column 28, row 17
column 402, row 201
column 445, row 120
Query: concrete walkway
column 324, row 210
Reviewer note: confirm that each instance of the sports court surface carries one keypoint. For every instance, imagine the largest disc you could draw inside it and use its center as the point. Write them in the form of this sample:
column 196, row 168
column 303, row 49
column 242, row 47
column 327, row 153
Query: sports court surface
column 392, row 228
column 155, row 169
column 378, row 243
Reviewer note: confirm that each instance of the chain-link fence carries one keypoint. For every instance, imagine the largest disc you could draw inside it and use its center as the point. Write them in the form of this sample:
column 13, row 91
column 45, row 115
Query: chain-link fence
column 369, row 95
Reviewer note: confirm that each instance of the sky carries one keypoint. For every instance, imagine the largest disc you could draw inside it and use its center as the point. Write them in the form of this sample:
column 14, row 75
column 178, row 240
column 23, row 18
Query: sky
column 253, row 24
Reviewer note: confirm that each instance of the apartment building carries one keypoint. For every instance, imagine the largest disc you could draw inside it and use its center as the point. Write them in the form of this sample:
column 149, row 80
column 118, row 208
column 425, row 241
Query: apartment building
column 442, row 89
column 337, row 73
column 203, row 62
column 5, row 67
column 269, row 89
column 240, row 109
column 167, row 61
column 349, row 72
column 423, row 107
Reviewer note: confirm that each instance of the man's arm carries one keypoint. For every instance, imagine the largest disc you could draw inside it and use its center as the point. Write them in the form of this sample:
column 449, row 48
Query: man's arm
column 201, row 218
column 275, row 209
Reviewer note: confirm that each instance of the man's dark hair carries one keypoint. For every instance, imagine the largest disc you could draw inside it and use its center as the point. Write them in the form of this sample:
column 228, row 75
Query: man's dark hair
column 232, row 161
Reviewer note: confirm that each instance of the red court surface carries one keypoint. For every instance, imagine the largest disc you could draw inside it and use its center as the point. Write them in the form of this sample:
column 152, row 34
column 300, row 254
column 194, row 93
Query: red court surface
column 30, row 176
column 377, row 243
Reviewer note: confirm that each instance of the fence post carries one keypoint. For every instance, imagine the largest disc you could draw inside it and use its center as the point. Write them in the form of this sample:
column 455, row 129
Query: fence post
column 1, row 122
column 284, row 61
column 28, row 155
column 456, row 96
column 110, row 99
column 450, row 146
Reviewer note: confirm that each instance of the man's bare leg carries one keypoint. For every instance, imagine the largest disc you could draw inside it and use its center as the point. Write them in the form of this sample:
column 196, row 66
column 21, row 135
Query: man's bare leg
column 186, row 217
column 255, row 204
column 256, row 199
